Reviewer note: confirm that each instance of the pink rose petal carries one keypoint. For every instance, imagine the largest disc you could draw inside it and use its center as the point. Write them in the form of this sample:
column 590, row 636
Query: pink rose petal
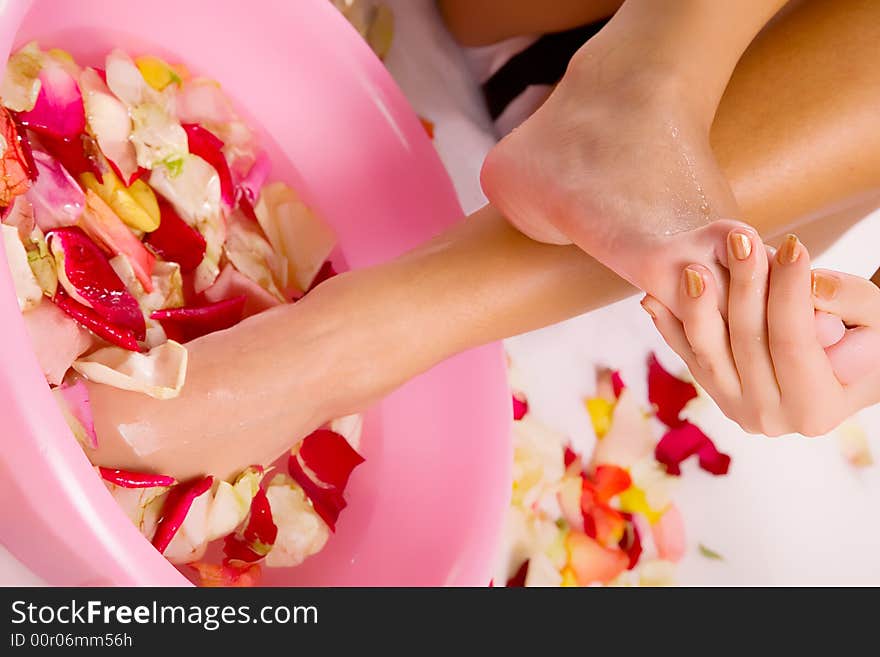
column 669, row 535
column 231, row 283
column 58, row 111
column 76, row 397
column 57, row 339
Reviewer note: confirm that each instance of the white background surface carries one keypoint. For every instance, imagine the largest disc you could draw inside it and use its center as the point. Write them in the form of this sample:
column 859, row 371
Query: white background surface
column 791, row 511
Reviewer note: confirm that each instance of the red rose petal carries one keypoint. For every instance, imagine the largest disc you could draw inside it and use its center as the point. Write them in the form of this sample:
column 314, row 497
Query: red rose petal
column 27, row 150
column 520, row 408
column 677, row 445
column 91, row 320
column 196, row 321
column 258, row 536
column 127, row 479
column 428, row 126
column 175, row 508
column 77, row 154
column 617, row 383
column 324, row 273
column 601, row 522
column 713, row 461
column 327, row 502
column 15, row 172
column 209, row 147
column 89, row 272
column 330, row 457
column 519, row 577
column 175, row 240
column 684, row 441
column 631, row 542
column 667, row 393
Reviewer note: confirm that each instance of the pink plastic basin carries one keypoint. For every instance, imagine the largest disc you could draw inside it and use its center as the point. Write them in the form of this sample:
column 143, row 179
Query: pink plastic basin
column 427, row 507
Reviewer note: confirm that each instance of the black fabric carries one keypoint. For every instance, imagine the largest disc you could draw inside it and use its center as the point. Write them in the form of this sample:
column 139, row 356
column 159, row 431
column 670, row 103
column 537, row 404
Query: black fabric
column 544, row 62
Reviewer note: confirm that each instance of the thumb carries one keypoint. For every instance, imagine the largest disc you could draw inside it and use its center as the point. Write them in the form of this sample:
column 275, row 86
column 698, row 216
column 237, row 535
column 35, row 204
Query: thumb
column 854, row 299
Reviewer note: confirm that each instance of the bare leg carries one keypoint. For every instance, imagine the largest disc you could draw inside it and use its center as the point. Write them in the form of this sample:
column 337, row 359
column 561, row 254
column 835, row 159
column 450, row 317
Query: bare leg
column 797, row 130
column 481, row 22
column 627, row 176
column 415, row 312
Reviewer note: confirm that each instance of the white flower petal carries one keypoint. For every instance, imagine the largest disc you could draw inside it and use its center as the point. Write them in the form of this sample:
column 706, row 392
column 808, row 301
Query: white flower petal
column 295, row 232
column 27, row 289
column 301, row 532
column 160, row 373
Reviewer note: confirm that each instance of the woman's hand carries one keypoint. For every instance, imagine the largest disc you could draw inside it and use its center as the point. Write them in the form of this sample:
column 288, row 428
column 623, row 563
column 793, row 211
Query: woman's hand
column 778, row 365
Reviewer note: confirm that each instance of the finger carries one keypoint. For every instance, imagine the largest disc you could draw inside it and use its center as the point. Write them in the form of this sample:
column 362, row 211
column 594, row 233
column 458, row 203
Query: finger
column 747, row 316
column 829, row 329
column 802, row 369
column 670, row 329
column 672, row 332
column 856, row 355
column 854, row 299
column 706, row 329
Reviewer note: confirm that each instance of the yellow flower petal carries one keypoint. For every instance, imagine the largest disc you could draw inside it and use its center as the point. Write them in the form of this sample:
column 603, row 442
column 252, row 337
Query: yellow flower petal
column 135, row 205
column 854, row 445
column 156, row 72
column 600, row 410
column 634, row 500
column 568, row 578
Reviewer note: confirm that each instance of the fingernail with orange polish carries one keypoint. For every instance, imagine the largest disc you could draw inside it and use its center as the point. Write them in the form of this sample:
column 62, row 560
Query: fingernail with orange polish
column 740, row 245
column 789, row 251
column 647, row 302
column 825, row 286
column 693, row 282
